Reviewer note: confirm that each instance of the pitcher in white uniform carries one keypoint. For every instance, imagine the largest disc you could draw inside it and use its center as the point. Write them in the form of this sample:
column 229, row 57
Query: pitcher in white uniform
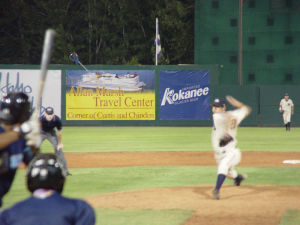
column 286, row 107
column 224, row 140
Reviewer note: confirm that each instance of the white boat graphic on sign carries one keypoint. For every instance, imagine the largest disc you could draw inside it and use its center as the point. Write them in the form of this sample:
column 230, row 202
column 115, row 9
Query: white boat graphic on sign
column 128, row 82
column 110, row 81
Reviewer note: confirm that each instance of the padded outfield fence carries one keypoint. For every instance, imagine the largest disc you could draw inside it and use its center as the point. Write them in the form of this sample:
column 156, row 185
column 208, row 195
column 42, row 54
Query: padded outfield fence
column 264, row 99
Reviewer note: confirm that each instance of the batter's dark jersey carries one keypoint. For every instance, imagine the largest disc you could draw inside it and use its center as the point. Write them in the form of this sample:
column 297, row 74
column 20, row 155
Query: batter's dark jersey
column 13, row 155
column 52, row 210
column 48, row 126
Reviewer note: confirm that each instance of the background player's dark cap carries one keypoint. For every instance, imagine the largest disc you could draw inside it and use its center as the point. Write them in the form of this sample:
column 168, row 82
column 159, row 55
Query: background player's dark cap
column 218, row 102
column 286, row 94
column 49, row 110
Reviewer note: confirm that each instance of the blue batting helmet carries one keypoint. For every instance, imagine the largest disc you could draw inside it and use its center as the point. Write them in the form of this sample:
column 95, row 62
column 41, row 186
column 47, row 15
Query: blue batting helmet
column 15, row 108
column 45, row 172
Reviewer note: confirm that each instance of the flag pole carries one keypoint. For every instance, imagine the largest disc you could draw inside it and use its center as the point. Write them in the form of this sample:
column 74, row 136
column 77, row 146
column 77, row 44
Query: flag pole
column 156, row 34
column 240, row 51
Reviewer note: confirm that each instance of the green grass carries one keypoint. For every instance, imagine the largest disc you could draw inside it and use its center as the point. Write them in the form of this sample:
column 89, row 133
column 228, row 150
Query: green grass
column 138, row 217
column 291, row 217
column 269, row 139
column 157, row 139
column 93, row 181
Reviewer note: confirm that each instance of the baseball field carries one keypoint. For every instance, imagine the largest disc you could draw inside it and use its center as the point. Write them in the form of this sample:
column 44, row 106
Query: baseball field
column 165, row 175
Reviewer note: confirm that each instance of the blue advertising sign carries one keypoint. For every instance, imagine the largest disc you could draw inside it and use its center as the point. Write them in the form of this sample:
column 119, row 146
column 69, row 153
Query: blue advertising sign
column 184, row 95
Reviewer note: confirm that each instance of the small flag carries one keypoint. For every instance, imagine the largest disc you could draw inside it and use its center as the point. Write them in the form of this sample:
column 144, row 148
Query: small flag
column 157, row 41
column 158, row 46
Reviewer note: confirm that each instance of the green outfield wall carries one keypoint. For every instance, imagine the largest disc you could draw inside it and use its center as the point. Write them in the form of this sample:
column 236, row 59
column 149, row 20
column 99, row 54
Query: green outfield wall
column 248, row 94
column 270, row 97
column 264, row 99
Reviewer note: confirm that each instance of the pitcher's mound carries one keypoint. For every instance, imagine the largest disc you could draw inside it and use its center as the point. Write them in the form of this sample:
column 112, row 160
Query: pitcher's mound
column 244, row 205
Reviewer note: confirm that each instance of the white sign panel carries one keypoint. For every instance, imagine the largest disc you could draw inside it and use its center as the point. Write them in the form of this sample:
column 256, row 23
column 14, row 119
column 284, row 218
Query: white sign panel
column 28, row 81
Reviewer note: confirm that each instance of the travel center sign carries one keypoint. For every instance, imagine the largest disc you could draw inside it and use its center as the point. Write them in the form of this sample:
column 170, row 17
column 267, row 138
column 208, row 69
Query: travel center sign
column 102, row 103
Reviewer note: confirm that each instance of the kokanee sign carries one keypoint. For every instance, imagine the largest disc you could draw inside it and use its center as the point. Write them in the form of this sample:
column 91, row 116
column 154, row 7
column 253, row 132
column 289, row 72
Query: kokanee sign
column 172, row 98
column 184, row 95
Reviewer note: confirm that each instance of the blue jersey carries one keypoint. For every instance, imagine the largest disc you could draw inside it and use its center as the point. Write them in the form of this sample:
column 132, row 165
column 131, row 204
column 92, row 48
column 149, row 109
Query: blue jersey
column 17, row 152
column 51, row 210
column 48, row 126
column 11, row 157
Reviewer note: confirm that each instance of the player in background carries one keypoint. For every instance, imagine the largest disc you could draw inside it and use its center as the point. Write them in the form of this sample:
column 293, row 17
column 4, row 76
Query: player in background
column 18, row 130
column 49, row 122
column 224, row 141
column 286, row 107
column 46, row 205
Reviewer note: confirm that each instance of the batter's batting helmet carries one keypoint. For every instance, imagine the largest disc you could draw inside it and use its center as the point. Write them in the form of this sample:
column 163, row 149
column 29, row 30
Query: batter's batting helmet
column 15, row 108
column 44, row 172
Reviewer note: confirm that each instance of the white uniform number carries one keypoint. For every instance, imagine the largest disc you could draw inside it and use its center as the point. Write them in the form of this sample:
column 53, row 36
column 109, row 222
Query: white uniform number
column 227, row 123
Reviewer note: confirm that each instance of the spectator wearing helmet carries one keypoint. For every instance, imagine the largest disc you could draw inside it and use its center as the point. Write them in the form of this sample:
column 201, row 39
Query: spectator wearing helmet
column 52, row 131
column 18, row 142
column 46, row 205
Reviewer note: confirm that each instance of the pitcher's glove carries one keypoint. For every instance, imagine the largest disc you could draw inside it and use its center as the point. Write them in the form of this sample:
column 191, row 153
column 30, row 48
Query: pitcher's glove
column 225, row 140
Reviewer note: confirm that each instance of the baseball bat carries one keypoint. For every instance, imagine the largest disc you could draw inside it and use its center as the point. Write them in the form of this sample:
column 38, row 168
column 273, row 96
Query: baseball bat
column 46, row 55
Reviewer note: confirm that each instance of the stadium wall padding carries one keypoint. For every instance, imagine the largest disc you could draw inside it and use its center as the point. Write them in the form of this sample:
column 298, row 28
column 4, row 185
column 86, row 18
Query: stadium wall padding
column 270, row 97
column 264, row 99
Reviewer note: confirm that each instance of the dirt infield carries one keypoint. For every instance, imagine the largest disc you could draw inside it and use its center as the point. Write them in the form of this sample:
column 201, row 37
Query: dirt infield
column 244, row 205
column 88, row 160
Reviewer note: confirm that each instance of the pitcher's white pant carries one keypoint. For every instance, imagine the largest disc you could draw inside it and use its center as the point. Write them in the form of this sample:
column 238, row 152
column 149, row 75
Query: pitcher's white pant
column 227, row 158
column 286, row 116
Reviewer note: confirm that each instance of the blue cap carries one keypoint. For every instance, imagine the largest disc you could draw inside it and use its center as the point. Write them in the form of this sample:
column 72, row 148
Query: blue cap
column 49, row 110
column 218, row 102
column 286, row 94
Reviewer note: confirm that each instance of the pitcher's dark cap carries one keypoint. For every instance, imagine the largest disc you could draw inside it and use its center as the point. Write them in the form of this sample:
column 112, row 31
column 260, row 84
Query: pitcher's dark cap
column 218, row 102
column 49, row 110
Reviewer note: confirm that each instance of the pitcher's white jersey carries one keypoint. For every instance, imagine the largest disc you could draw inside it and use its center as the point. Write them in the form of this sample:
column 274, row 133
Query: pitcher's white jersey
column 226, row 123
column 286, row 105
column 224, row 142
